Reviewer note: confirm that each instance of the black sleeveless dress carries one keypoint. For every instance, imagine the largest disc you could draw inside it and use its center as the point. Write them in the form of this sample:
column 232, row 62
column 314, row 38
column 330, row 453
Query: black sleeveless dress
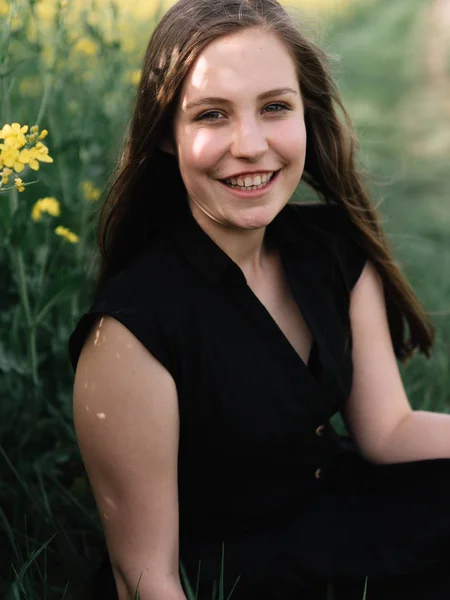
column 266, row 485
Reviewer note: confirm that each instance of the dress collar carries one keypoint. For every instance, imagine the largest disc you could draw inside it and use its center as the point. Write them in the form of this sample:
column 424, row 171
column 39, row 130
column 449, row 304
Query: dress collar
column 213, row 264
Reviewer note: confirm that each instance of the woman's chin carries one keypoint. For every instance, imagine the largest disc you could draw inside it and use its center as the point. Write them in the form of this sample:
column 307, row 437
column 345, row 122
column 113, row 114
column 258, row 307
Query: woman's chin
column 256, row 217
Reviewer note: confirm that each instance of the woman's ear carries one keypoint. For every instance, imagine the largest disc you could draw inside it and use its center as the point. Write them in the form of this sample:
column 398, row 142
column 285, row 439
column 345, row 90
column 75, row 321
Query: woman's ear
column 167, row 146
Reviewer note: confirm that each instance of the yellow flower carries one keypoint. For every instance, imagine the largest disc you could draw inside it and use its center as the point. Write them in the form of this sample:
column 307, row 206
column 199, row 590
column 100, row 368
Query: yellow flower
column 32, row 156
column 15, row 141
column 40, row 152
column 30, row 87
column 14, row 135
column 85, row 46
column 5, row 175
column 43, row 134
column 10, row 157
column 67, row 234
column 90, row 191
column 4, row 8
column 27, row 158
column 19, row 184
column 14, row 129
column 133, row 76
column 45, row 205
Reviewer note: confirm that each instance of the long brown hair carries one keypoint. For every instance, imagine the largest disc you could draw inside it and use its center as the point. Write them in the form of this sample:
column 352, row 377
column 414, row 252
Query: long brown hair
column 148, row 187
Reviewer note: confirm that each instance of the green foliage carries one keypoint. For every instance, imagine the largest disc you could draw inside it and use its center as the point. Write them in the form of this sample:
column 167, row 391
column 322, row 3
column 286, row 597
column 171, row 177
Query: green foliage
column 383, row 78
column 50, row 535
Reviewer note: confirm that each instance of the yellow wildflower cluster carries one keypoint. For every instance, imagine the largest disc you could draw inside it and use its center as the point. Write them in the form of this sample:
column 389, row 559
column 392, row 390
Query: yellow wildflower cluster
column 4, row 8
column 52, row 207
column 133, row 76
column 90, row 191
column 19, row 150
column 67, row 234
column 85, row 46
column 45, row 205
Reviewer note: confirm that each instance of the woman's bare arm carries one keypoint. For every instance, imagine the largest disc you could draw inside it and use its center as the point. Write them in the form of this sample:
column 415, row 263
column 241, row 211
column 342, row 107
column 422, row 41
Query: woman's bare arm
column 380, row 417
column 126, row 420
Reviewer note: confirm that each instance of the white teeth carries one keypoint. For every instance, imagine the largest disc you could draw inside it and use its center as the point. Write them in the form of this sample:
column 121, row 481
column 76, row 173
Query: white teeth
column 248, row 181
column 256, row 184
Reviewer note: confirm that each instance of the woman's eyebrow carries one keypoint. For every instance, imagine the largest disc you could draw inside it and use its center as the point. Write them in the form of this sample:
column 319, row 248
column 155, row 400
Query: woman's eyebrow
column 218, row 100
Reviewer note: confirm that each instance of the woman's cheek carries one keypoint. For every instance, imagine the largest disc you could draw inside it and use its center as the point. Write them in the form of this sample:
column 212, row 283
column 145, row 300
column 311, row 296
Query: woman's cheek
column 202, row 145
column 208, row 150
column 292, row 132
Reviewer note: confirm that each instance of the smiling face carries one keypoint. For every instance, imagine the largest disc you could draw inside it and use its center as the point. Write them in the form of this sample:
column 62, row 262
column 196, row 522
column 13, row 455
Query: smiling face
column 240, row 111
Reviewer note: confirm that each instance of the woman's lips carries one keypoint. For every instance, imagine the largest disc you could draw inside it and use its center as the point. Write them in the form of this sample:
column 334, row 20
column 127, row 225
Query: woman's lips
column 251, row 193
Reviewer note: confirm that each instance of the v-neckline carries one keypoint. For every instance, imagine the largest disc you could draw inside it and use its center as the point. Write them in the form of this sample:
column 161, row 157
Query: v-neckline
column 279, row 277
column 281, row 344
column 289, row 349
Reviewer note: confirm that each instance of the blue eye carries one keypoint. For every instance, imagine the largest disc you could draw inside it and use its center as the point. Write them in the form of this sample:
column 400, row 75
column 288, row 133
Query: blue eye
column 280, row 105
column 208, row 115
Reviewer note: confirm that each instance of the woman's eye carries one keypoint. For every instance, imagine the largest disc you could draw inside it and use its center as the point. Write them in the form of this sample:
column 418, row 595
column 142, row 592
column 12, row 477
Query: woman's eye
column 209, row 116
column 280, row 105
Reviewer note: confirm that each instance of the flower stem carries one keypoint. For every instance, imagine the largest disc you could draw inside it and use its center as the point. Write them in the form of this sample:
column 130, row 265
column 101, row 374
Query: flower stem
column 30, row 327
column 22, row 288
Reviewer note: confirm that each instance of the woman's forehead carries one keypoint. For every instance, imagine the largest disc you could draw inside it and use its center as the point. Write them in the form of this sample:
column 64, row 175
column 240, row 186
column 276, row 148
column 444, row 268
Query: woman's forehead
column 252, row 60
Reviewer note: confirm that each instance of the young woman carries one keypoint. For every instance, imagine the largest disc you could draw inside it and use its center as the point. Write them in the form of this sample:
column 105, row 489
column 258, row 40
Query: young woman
column 230, row 324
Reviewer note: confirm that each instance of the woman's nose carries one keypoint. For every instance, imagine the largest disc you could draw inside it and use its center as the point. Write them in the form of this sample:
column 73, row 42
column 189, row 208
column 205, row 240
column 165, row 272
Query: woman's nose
column 248, row 140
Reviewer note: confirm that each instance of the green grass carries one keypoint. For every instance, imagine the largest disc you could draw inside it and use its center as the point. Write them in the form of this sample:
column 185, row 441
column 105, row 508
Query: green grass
column 50, row 535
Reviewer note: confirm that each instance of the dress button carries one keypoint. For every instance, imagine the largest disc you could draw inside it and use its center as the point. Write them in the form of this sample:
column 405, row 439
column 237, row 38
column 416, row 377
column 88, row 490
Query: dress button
column 318, row 473
column 320, row 430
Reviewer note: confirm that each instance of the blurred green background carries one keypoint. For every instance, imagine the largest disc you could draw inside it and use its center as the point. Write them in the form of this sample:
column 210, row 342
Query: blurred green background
column 72, row 69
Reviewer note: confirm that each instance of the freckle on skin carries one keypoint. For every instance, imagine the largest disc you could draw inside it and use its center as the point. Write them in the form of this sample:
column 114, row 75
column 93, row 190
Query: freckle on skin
column 101, row 415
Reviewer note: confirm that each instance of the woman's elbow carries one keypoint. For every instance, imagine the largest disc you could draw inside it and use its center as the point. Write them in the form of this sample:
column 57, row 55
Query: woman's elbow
column 168, row 589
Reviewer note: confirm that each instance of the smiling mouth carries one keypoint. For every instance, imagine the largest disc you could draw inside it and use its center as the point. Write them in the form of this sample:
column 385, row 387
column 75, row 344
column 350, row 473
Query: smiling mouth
column 252, row 187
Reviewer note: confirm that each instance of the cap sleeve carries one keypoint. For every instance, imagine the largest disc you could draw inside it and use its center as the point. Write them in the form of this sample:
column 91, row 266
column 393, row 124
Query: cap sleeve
column 123, row 300
column 343, row 239
column 351, row 256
